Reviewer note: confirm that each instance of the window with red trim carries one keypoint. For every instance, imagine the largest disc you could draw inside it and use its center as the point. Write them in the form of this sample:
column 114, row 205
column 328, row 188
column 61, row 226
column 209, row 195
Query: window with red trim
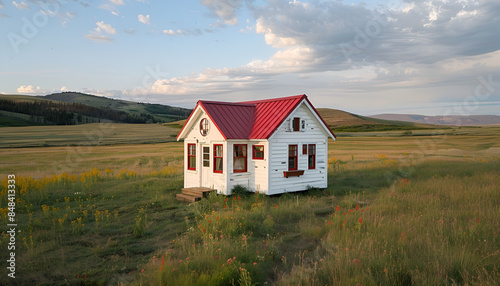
column 304, row 149
column 240, row 158
column 292, row 157
column 191, row 157
column 218, row 158
column 258, row 152
column 311, row 160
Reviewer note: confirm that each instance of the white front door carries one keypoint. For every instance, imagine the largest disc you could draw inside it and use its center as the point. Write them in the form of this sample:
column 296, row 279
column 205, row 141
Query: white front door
column 205, row 166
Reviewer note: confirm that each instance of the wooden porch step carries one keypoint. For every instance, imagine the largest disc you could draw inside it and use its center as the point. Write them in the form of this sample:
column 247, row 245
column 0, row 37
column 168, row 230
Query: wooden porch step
column 193, row 194
column 201, row 192
column 187, row 198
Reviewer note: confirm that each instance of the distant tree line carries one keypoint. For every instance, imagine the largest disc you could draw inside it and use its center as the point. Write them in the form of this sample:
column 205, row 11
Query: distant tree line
column 71, row 113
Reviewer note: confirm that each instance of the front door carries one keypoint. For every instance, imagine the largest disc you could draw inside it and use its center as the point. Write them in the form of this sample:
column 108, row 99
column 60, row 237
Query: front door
column 205, row 166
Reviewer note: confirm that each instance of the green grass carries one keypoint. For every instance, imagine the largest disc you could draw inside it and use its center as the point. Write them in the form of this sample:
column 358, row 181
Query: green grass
column 85, row 135
column 398, row 210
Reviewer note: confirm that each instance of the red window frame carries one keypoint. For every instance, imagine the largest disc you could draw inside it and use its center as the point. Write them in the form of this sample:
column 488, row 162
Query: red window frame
column 296, row 124
column 304, row 149
column 254, row 152
column 293, row 154
column 218, row 157
column 191, row 155
column 240, row 154
column 311, row 156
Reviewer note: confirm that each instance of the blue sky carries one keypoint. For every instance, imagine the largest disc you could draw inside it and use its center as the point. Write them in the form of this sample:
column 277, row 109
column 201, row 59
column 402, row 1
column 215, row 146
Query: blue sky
column 367, row 57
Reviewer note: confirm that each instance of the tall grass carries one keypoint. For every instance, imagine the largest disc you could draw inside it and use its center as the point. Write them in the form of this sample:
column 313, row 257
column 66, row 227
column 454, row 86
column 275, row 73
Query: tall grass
column 436, row 230
column 381, row 221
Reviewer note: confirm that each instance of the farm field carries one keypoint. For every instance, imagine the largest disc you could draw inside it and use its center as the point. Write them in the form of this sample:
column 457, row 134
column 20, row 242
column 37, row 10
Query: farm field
column 399, row 210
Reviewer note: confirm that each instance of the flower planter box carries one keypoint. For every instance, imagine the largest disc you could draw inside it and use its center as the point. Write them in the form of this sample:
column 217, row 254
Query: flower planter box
column 297, row 173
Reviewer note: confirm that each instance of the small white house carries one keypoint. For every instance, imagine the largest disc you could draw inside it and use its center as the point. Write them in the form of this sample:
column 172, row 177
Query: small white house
column 270, row 146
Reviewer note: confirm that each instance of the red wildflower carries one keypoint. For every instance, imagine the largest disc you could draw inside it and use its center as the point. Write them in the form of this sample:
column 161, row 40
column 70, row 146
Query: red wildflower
column 217, row 217
column 356, row 262
column 209, row 221
column 357, row 207
column 203, row 229
column 329, row 223
column 337, row 208
column 360, row 220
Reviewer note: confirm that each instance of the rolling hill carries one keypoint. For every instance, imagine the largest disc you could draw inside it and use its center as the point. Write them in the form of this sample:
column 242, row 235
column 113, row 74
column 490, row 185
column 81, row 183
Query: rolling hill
column 341, row 121
column 70, row 108
column 470, row 120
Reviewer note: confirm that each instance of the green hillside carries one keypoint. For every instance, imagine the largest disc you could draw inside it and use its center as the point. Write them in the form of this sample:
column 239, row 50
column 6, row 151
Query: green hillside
column 341, row 121
column 160, row 112
column 71, row 108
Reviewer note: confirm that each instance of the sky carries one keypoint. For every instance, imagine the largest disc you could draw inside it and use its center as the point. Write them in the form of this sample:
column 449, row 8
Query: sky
column 365, row 57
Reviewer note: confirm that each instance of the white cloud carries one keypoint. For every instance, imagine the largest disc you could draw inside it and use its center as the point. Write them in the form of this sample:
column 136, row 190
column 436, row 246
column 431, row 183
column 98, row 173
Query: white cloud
column 29, row 89
column 21, row 5
column 117, row 2
column 224, row 9
column 98, row 38
column 105, row 27
column 115, row 13
column 64, row 88
column 169, row 32
column 130, row 31
column 144, row 19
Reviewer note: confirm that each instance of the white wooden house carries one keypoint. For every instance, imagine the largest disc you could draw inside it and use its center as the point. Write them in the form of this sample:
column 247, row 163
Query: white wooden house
column 270, row 146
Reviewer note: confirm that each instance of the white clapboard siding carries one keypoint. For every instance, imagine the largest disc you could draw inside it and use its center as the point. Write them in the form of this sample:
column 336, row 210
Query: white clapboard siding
column 279, row 142
column 193, row 178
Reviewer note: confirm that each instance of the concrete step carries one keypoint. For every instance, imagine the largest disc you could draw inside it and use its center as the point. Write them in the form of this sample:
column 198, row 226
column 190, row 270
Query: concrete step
column 187, row 198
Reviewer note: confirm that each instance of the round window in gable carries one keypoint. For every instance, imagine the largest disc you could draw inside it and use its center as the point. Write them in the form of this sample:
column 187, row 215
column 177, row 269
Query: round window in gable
column 204, row 127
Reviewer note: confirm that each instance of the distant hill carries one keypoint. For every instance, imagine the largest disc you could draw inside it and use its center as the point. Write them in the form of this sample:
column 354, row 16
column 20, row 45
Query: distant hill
column 470, row 120
column 70, row 108
column 341, row 121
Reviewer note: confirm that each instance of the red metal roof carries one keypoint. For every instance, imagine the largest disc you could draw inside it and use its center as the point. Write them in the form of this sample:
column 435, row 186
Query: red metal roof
column 252, row 119
column 270, row 113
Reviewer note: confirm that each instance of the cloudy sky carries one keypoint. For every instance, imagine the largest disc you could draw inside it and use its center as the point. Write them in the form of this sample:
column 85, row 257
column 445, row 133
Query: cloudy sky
column 367, row 57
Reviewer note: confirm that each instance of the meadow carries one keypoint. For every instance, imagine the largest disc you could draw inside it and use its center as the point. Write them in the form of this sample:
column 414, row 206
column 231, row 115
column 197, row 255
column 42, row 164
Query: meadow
column 399, row 210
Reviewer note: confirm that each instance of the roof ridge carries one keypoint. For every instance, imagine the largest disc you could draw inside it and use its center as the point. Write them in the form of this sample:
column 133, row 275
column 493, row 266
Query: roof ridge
column 276, row 99
column 226, row 103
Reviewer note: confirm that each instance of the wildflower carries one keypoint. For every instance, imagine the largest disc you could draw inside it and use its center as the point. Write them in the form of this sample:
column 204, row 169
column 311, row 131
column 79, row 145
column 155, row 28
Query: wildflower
column 255, row 263
column 217, row 217
column 337, row 208
column 357, row 207
column 329, row 223
column 360, row 220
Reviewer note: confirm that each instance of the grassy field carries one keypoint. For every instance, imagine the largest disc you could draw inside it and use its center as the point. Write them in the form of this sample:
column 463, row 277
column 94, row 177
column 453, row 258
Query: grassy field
column 85, row 135
column 399, row 210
